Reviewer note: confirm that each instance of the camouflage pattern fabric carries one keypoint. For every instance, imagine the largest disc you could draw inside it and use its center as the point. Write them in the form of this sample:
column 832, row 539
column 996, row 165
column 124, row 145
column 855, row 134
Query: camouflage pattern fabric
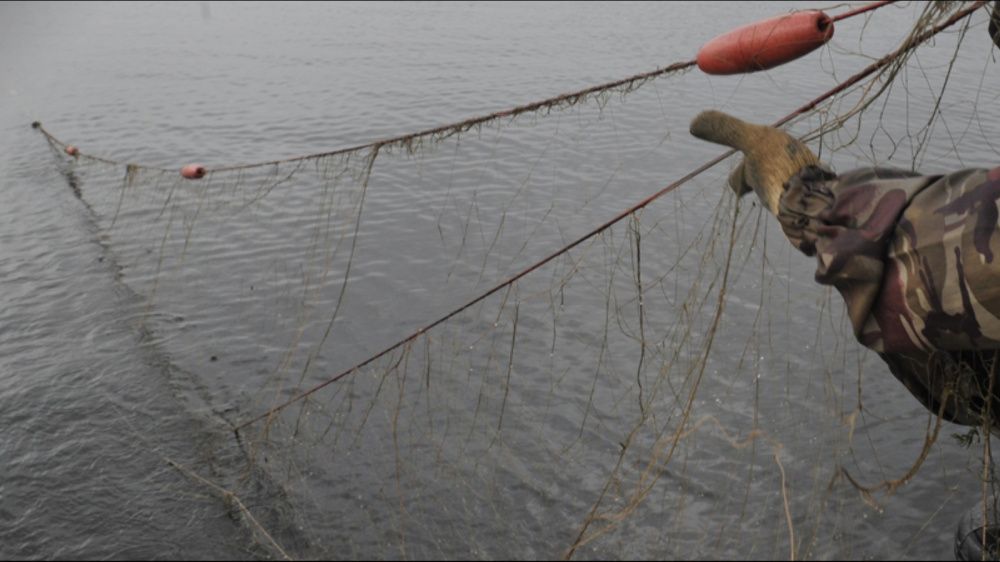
column 917, row 260
column 994, row 28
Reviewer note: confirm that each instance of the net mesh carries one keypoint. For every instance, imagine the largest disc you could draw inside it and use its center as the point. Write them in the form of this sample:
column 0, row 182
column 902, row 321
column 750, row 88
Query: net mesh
column 675, row 385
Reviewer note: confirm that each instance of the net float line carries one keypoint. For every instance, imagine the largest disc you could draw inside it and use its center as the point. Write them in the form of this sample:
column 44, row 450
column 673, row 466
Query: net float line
column 75, row 152
column 406, row 140
column 911, row 44
column 861, row 10
column 757, row 46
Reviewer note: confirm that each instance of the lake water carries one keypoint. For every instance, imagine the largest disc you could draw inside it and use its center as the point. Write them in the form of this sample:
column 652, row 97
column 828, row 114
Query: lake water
column 143, row 320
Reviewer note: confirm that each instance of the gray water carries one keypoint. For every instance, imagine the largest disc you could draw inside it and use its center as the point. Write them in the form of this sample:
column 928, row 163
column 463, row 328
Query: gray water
column 113, row 364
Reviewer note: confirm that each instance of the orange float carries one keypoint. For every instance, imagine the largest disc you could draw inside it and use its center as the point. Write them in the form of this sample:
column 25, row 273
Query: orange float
column 766, row 44
column 193, row 171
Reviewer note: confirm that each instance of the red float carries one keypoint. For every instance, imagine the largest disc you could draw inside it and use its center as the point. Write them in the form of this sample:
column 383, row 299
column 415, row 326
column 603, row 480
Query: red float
column 193, row 171
column 71, row 150
column 766, row 44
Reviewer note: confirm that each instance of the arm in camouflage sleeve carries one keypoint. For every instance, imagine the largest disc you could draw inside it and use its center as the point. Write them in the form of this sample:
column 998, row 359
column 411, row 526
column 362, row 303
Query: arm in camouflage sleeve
column 916, row 258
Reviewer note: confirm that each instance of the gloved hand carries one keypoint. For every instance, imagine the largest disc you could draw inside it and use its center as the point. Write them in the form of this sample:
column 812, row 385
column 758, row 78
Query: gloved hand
column 770, row 156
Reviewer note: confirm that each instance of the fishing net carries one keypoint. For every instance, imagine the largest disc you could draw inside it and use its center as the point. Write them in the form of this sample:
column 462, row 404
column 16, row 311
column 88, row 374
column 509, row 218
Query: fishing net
column 674, row 385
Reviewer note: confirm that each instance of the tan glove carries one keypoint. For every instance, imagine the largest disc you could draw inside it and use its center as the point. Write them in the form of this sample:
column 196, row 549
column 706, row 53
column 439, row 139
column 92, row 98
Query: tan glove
column 770, row 156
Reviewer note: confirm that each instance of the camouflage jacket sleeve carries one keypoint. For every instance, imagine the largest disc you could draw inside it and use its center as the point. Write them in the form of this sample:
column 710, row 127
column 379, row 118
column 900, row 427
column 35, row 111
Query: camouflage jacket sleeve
column 917, row 260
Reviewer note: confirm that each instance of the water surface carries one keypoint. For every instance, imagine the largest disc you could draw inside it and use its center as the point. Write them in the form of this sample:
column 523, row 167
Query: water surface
column 122, row 349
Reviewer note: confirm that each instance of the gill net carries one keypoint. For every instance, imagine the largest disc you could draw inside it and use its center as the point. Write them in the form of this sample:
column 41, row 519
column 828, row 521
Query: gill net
column 671, row 385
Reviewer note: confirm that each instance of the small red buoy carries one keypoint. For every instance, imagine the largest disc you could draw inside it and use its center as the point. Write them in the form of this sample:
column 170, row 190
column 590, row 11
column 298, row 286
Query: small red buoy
column 71, row 150
column 193, row 171
column 766, row 44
